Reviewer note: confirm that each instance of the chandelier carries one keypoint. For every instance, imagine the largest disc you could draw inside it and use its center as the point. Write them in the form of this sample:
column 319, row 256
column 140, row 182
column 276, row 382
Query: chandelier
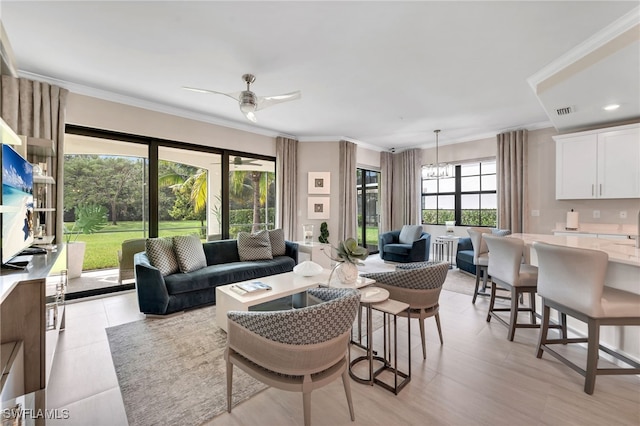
column 437, row 169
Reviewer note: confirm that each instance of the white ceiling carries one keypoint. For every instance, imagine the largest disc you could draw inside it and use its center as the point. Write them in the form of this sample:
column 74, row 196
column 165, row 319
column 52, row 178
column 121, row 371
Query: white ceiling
column 382, row 73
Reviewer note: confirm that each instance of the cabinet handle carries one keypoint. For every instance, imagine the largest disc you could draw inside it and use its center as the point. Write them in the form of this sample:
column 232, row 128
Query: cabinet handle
column 600, row 189
column 592, row 193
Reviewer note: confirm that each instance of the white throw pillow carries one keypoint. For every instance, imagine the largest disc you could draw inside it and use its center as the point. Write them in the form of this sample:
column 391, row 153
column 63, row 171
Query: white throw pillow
column 254, row 246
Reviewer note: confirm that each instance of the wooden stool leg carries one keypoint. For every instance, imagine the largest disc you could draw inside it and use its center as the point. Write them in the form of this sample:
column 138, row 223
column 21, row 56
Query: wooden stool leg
column 593, row 344
column 513, row 317
column 492, row 301
column 475, row 291
column 544, row 328
column 532, row 305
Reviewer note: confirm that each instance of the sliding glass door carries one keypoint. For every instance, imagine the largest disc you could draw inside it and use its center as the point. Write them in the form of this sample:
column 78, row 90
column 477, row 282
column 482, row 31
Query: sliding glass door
column 147, row 187
column 368, row 208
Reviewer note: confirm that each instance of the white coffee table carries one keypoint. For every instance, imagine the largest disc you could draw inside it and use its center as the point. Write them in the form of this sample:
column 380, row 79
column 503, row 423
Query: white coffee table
column 282, row 285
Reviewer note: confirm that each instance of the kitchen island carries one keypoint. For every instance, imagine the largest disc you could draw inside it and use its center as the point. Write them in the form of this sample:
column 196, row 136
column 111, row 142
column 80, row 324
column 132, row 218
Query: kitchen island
column 623, row 272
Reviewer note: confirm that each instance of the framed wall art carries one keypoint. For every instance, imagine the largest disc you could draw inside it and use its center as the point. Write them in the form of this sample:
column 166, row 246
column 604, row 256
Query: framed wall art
column 318, row 207
column 319, row 182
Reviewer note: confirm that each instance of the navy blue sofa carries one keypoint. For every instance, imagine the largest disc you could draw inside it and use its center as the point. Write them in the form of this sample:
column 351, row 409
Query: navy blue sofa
column 391, row 249
column 160, row 295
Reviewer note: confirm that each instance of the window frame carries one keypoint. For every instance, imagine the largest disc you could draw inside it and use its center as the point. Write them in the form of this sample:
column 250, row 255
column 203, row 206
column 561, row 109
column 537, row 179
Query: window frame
column 458, row 193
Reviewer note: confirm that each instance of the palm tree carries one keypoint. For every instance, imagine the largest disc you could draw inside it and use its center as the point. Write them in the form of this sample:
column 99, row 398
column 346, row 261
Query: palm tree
column 198, row 196
column 259, row 187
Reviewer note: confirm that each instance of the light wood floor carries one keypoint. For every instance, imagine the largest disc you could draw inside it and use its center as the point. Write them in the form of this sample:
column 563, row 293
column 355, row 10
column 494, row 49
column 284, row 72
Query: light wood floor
column 476, row 377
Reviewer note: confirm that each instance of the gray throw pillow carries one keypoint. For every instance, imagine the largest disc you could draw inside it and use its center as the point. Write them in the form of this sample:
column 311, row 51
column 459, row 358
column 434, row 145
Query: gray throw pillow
column 254, row 246
column 500, row 232
column 276, row 238
column 161, row 255
column 410, row 233
column 189, row 251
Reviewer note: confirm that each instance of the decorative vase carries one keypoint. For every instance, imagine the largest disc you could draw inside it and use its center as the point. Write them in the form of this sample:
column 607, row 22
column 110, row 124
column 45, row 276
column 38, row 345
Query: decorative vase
column 347, row 273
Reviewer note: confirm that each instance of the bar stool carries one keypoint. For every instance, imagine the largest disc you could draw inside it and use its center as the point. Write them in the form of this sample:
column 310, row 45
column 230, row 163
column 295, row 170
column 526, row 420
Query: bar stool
column 571, row 280
column 508, row 271
column 480, row 259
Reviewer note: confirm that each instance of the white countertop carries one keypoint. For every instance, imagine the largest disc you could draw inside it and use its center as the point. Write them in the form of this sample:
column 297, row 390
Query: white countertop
column 619, row 251
column 599, row 228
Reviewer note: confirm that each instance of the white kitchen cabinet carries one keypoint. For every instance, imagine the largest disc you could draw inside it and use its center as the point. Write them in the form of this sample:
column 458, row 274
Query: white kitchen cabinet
column 599, row 164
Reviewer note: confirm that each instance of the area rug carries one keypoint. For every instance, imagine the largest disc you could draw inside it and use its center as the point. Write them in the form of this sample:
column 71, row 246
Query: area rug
column 171, row 371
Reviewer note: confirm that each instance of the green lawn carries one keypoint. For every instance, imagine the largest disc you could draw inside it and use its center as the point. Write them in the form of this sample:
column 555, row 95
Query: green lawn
column 103, row 246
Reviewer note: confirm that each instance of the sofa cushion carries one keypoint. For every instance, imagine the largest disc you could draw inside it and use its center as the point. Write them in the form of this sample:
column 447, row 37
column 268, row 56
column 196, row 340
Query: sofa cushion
column 189, row 251
column 161, row 255
column 403, row 249
column 409, row 234
column 254, row 246
column 226, row 273
column 276, row 238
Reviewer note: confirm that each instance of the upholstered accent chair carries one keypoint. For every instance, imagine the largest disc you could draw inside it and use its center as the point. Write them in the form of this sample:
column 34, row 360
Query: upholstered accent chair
column 126, row 267
column 295, row 350
column 572, row 281
column 419, row 285
column 409, row 244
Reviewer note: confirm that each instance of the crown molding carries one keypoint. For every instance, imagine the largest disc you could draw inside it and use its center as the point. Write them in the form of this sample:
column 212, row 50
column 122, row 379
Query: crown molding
column 81, row 89
column 7, row 59
column 598, row 40
column 334, row 138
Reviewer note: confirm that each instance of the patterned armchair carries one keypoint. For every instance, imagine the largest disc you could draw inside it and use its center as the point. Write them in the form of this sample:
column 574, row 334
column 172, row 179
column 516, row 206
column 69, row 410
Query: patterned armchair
column 295, row 350
column 418, row 284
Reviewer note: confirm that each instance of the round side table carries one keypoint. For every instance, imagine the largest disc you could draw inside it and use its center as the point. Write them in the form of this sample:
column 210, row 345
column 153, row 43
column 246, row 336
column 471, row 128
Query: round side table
column 368, row 297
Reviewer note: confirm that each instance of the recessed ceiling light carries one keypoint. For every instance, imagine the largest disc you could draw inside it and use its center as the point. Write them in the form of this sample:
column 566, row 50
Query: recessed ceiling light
column 611, row 107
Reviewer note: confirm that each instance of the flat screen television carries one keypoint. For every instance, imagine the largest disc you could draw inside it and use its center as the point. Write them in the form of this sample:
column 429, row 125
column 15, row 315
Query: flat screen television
column 17, row 204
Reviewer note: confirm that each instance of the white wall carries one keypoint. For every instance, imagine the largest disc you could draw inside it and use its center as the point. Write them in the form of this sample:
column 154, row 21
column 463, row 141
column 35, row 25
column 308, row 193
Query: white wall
column 106, row 115
column 318, row 157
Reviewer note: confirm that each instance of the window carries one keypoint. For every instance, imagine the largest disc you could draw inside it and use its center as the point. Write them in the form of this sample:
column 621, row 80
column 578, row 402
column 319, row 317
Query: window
column 468, row 196
column 159, row 188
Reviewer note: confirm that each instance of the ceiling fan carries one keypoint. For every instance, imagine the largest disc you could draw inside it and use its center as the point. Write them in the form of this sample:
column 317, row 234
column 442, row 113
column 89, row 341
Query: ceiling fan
column 249, row 102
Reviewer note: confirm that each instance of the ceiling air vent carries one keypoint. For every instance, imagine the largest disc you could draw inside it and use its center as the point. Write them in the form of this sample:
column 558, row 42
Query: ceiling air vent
column 564, row 111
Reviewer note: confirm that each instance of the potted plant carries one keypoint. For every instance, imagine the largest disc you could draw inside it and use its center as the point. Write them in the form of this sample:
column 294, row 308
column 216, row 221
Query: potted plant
column 348, row 255
column 324, row 233
column 90, row 218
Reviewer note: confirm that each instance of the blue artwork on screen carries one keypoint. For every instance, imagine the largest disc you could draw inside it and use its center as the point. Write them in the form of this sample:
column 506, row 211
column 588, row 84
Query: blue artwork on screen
column 17, row 203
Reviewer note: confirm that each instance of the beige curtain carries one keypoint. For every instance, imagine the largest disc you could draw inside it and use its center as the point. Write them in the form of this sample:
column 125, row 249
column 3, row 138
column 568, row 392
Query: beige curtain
column 406, row 188
column 386, row 192
column 287, row 191
column 37, row 109
column 400, row 191
column 512, row 180
column 347, row 202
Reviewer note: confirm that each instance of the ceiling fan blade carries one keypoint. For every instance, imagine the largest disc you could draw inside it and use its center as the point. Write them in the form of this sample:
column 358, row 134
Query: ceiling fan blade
column 267, row 101
column 234, row 95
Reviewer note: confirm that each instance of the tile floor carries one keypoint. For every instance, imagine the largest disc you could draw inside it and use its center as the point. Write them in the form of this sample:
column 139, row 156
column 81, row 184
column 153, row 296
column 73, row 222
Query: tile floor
column 476, row 377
